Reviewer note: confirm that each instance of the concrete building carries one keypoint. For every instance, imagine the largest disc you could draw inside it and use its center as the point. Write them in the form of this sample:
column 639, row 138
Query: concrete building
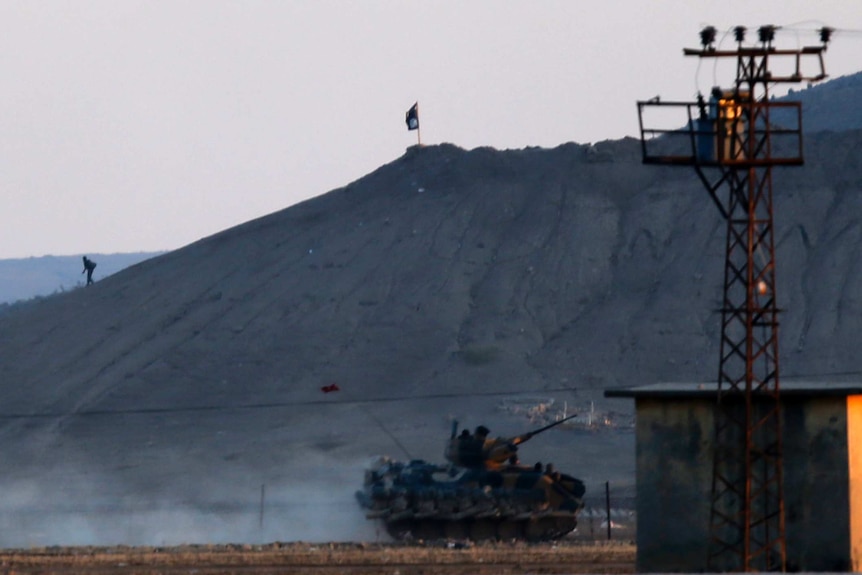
column 822, row 467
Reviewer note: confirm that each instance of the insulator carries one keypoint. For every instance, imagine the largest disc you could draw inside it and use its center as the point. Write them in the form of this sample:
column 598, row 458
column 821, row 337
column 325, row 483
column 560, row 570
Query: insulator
column 707, row 36
column 739, row 33
column 826, row 34
column 766, row 34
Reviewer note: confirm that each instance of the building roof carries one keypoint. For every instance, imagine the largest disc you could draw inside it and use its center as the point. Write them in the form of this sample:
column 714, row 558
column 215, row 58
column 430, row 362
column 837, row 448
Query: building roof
column 704, row 390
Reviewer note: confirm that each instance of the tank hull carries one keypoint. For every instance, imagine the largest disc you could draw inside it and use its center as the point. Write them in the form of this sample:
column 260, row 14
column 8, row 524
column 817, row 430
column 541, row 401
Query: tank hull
column 424, row 501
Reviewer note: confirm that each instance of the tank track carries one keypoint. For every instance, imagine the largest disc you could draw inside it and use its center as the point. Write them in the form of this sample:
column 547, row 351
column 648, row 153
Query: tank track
column 490, row 529
column 446, row 510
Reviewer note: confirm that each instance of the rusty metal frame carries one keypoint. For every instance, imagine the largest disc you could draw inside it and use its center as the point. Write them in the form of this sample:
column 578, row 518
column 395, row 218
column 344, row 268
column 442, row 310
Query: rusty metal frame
column 747, row 516
column 691, row 132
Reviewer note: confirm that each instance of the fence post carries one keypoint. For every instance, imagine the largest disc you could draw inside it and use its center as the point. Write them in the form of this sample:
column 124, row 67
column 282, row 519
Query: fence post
column 608, row 506
column 262, row 493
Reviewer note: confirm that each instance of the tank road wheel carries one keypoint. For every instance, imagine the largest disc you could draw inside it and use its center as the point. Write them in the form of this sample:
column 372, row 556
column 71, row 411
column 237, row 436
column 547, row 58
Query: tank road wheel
column 565, row 526
column 457, row 530
column 537, row 529
column 548, row 528
column 483, row 530
column 510, row 529
column 427, row 529
column 399, row 530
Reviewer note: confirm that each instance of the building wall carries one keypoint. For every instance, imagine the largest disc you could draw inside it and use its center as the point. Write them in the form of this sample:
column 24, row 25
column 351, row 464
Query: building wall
column 854, row 441
column 816, row 483
column 674, row 479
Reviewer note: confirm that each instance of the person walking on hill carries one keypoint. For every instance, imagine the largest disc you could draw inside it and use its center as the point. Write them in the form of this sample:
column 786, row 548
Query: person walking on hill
column 89, row 266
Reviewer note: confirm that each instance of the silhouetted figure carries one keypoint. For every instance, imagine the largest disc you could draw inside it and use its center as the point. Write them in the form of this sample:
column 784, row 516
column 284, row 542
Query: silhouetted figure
column 89, row 266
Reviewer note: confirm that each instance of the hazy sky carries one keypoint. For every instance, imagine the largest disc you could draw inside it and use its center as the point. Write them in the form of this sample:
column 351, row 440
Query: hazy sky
column 146, row 125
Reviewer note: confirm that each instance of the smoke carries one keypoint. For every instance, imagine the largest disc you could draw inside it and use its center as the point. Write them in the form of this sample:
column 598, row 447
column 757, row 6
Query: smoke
column 315, row 504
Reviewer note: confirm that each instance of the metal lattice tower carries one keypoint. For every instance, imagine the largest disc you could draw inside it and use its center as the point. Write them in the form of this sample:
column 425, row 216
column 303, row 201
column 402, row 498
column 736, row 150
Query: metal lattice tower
column 733, row 140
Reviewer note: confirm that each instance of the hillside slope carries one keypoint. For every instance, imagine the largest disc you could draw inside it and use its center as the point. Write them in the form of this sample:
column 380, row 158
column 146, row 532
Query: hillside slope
column 831, row 106
column 440, row 271
column 432, row 288
column 26, row 278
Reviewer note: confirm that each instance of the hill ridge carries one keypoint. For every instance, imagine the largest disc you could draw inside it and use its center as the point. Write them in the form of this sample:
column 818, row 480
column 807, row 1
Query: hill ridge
column 546, row 275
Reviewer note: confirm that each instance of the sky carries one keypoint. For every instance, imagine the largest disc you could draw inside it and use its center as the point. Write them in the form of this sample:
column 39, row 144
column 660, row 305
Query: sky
column 132, row 126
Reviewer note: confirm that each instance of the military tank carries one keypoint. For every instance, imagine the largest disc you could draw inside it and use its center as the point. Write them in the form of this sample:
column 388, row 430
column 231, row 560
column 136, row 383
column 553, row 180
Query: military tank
column 482, row 493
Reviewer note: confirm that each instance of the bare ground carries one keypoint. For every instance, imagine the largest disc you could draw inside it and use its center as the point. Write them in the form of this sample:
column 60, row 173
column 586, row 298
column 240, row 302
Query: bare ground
column 354, row 558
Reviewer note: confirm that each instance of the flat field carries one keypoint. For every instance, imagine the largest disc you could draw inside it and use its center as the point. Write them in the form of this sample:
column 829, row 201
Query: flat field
column 439, row 558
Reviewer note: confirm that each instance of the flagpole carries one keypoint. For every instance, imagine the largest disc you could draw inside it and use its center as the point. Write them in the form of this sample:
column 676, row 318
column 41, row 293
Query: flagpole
column 412, row 119
column 418, row 127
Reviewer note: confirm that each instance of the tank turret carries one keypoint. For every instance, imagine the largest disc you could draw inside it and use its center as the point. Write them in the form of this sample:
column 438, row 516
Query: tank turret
column 483, row 493
column 477, row 450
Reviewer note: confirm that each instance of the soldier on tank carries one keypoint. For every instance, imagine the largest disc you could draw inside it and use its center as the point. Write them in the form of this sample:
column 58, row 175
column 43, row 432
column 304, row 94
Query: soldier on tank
column 478, row 451
column 496, row 452
column 466, row 449
column 552, row 472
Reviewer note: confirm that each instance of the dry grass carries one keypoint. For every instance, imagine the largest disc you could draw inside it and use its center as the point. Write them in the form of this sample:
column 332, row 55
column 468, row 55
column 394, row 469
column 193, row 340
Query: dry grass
column 439, row 557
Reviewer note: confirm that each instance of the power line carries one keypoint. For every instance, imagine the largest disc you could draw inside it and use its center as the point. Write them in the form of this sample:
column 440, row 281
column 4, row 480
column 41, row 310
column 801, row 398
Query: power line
column 274, row 405
column 372, row 401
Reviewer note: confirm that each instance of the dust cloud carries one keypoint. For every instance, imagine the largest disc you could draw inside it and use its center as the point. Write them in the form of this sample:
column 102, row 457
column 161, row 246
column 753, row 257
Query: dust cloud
column 100, row 512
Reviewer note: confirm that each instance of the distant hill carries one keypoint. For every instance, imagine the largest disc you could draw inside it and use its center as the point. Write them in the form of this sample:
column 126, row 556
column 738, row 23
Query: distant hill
column 26, row 278
column 159, row 403
column 833, row 105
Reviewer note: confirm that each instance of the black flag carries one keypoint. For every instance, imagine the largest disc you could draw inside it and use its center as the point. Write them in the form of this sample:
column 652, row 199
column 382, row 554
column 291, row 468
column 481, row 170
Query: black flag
column 413, row 117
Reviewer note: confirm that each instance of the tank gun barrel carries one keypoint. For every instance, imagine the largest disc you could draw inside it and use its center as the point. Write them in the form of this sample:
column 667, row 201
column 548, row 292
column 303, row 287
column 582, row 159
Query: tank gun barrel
column 517, row 440
column 501, row 450
column 477, row 451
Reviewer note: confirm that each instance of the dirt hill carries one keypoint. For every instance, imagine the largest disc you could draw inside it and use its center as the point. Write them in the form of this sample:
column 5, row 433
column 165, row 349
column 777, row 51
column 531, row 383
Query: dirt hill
column 27, row 278
column 831, row 105
column 172, row 401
